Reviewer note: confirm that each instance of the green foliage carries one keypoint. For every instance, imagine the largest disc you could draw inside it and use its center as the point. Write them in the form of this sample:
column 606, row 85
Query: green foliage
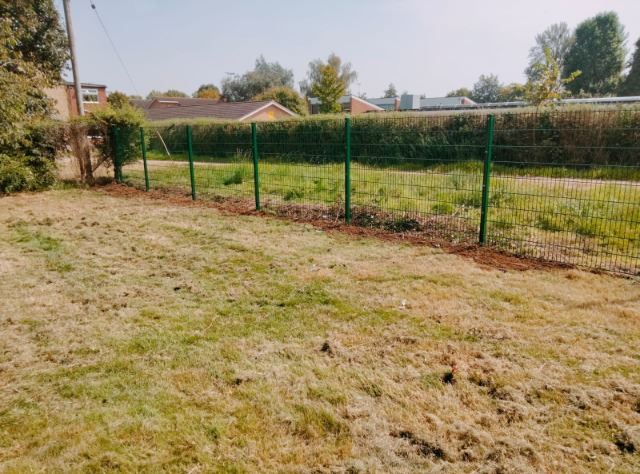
column 118, row 100
column 128, row 121
column 512, row 92
column 32, row 54
column 631, row 84
column 548, row 85
column 285, row 96
column 328, row 89
column 207, row 91
column 344, row 71
column 25, row 173
column 170, row 93
column 598, row 51
column 487, row 89
column 391, row 92
column 264, row 76
column 558, row 38
column 38, row 37
column 461, row 92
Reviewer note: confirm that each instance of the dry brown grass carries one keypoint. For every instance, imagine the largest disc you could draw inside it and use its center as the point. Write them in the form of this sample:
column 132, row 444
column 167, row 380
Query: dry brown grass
column 138, row 335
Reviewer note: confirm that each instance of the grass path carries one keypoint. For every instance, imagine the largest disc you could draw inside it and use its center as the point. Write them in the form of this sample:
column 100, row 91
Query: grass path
column 138, row 335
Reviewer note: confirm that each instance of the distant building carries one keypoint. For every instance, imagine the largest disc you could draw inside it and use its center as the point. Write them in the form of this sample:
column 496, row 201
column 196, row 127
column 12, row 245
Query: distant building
column 64, row 96
column 170, row 108
column 432, row 103
column 349, row 103
column 389, row 104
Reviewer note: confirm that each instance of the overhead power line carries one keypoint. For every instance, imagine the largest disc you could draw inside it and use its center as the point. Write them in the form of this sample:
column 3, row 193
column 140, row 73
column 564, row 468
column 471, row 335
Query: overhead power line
column 113, row 46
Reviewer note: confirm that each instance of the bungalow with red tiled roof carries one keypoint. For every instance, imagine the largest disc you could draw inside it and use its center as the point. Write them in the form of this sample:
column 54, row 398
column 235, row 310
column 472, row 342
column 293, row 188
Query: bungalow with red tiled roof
column 171, row 108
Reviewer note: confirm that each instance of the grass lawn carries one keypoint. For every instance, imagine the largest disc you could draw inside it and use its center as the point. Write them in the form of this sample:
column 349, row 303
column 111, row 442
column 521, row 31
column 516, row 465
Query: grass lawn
column 141, row 335
column 578, row 219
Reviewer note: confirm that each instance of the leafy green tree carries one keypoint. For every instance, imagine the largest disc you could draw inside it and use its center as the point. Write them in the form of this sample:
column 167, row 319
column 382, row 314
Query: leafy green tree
column 599, row 53
column 548, row 85
column 631, row 84
column 511, row 92
column 462, row 92
column 265, row 75
column 328, row 88
column 32, row 56
column 344, row 71
column 118, row 100
column 391, row 92
column 285, row 96
column 487, row 89
column 207, row 91
column 559, row 39
column 170, row 93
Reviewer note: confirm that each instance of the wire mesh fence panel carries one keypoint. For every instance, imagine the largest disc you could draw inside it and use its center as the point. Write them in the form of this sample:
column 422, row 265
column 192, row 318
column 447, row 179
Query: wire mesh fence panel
column 223, row 161
column 167, row 160
column 302, row 165
column 565, row 187
column 419, row 173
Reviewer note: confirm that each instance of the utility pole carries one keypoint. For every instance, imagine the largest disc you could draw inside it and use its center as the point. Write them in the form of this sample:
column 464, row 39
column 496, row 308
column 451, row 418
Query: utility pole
column 74, row 62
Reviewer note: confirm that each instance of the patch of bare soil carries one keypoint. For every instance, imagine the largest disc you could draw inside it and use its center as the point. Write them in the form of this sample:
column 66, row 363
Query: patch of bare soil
column 434, row 231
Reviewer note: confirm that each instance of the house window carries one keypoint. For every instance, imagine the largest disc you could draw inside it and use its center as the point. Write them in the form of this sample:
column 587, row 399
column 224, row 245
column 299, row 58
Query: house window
column 90, row 96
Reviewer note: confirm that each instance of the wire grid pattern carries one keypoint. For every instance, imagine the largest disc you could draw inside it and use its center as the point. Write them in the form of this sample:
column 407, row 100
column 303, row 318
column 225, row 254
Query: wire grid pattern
column 302, row 166
column 565, row 187
column 419, row 173
column 223, row 161
column 167, row 160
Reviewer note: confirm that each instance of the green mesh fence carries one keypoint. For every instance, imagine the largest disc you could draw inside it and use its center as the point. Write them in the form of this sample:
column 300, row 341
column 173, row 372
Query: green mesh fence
column 561, row 186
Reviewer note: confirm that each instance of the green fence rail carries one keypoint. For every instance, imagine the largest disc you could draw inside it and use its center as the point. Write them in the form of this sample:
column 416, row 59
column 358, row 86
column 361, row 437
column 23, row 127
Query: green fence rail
column 560, row 186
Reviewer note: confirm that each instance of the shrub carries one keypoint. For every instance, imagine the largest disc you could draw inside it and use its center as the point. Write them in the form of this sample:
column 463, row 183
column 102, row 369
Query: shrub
column 25, row 173
column 126, row 122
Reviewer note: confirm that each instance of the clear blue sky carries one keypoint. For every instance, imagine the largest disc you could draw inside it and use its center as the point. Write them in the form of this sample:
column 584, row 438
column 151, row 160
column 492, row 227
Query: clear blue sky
column 422, row 46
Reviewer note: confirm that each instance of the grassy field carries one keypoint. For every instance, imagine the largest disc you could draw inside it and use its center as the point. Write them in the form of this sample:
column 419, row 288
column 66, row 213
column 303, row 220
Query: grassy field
column 140, row 336
column 541, row 213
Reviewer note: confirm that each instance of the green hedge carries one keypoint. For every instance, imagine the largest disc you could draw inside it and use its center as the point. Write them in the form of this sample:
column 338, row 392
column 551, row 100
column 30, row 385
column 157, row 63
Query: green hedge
column 583, row 136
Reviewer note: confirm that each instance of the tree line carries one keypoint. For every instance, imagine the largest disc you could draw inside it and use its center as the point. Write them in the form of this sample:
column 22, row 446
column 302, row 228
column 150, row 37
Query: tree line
column 589, row 61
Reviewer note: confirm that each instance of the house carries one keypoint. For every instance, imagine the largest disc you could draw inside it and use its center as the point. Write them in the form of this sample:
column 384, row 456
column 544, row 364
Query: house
column 64, row 97
column 171, row 108
column 434, row 103
column 349, row 103
column 390, row 104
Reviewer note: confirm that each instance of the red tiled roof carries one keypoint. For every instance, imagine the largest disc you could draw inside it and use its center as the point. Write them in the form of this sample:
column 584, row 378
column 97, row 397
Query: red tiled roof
column 219, row 110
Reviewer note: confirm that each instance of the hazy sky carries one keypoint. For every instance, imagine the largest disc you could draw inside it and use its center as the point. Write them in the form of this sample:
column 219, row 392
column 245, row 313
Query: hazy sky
column 422, row 46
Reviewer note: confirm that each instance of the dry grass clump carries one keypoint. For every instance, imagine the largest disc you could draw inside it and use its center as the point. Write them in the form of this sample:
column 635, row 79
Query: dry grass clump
column 138, row 335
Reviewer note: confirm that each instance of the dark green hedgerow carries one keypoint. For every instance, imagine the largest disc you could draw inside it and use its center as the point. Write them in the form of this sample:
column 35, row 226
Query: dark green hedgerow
column 575, row 137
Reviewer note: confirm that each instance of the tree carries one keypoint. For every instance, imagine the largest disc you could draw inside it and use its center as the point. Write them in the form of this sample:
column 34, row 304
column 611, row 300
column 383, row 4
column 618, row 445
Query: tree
column 285, row 96
column 118, row 100
column 391, row 92
column 548, row 85
column 264, row 76
column 462, row 92
column 487, row 89
column 511, row 92
column 170, row 93
column 631, row 84
column 328, row 88
column 599, row 53
column 207, row 91
column 32, row 56
column 559, row 39
column 344, row 71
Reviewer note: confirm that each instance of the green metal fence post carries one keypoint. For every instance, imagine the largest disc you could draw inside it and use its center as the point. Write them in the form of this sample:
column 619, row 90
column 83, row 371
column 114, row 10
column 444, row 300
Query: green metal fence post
column 116, row 154
column 486, row 179
column 143, row 149
column 347, row 170
column 192, row 172
column 256, row 174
